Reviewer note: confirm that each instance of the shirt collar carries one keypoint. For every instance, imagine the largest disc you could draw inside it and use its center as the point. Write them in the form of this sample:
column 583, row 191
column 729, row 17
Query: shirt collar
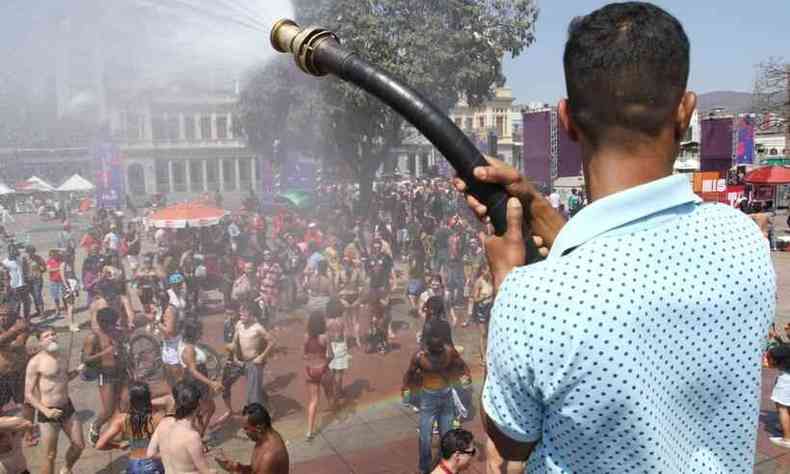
column 619, row 209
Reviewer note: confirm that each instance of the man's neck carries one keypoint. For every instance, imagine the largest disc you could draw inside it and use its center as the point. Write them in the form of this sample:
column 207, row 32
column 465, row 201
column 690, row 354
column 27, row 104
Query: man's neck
column 610, row 171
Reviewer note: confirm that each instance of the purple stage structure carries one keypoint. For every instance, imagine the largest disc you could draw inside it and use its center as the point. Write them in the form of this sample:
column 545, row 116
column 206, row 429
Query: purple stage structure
column 718, row 144
column 548, row 152
column 569, row 155
column 537, row 153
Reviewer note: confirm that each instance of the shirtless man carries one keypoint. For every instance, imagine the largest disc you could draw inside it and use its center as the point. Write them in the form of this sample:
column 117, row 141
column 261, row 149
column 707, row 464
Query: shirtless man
column 176, row 440
column 270, row 456
column 12, row 459
column 102, row 350
column 14, row 333
column 47, row 390
column 108, row 292
column 250, row 349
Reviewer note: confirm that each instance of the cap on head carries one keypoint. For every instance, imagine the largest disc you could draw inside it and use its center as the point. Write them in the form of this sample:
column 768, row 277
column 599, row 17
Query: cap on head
column 175, row 279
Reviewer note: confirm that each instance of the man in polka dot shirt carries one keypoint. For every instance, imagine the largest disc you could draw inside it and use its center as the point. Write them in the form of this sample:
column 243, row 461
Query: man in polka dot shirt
column 633, row 347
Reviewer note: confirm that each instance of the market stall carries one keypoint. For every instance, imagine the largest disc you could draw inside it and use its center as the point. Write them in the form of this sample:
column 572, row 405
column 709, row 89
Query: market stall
column 765, row 180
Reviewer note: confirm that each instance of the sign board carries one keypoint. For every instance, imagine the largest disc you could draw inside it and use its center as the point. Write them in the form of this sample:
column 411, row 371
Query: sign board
column 110, row 182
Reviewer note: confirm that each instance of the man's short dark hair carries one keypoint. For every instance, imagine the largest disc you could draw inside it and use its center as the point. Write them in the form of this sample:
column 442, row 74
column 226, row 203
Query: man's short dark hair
column 187, row 397
column 334, row 308
column 454, row 441
column 41, row 330
column 257, row 415
column 626, row 67
column 106, row 318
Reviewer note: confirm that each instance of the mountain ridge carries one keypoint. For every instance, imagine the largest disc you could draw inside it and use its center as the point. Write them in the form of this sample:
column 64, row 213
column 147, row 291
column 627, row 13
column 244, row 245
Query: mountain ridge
column 733, row 102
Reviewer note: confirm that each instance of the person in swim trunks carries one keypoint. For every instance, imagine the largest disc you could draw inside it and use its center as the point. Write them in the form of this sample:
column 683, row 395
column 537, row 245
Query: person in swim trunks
column 250, row 349
column 46, row 389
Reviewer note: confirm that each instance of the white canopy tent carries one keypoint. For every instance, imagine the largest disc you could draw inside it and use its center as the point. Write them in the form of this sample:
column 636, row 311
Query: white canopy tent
column 4, row 189
column 34, row 183
column 76, row 184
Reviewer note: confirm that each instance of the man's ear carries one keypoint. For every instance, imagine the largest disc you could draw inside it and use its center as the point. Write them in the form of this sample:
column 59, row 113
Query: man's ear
column 564, row 113
column 684, row 113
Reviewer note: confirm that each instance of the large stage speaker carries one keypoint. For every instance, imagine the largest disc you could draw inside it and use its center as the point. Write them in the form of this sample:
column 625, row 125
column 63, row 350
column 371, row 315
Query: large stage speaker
column 548, row 151
column 718, row 144
column 537, row 152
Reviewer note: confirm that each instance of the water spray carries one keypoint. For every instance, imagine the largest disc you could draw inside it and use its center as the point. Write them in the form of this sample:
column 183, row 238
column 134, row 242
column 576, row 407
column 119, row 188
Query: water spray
column 318, row 52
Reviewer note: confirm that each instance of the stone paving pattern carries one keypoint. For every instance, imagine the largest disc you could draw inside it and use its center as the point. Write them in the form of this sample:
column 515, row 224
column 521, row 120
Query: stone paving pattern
column 373, row 433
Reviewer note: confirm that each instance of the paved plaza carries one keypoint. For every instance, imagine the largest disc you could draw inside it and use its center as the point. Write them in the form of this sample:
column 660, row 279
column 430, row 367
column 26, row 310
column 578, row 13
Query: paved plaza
column 373, row 432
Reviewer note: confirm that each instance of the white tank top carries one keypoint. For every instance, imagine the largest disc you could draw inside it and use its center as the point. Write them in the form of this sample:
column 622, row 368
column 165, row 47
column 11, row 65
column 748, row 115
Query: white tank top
column 200, row 356
column 171, row 350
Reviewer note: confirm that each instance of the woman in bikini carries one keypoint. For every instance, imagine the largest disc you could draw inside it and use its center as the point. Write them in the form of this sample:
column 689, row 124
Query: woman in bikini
column 349, row 285
column 193, row 360
column 103, row 352
column 317, row 355
column 320, row 288
column 137, row 426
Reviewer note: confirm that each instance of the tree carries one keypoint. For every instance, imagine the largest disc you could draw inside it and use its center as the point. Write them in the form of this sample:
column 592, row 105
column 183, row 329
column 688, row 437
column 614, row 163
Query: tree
column 772, row 92
column 279, row 102
column 447, row 50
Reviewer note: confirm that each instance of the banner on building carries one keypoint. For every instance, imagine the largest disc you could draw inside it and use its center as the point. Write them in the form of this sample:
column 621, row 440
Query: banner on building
column 735, row 193
column 110, row 182
column 267, row 177
column 744, row 152
column 299, row 175
column 444, row 169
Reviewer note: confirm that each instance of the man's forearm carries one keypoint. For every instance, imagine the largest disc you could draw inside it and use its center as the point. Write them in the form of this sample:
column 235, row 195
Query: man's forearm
column 9, row 335
column 34, row 401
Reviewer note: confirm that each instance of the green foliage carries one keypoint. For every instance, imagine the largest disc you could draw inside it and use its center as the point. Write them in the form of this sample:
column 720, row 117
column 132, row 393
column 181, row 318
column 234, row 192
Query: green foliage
column 447, row 50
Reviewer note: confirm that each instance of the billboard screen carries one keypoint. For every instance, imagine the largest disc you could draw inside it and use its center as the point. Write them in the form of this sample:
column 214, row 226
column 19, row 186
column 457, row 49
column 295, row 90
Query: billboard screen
column 110, row 183
column 298, row 175
column 744, row 153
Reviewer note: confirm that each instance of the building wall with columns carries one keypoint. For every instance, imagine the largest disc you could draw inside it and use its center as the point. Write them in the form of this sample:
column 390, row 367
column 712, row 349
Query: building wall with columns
column 416, row 156
column 184, row 143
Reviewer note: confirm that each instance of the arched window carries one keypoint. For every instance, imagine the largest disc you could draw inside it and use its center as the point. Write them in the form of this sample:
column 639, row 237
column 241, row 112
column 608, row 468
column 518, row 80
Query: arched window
column 136, row 176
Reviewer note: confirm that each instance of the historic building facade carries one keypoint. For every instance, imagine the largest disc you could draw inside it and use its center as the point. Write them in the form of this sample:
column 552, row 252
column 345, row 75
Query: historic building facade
column 499, row 116
column 184, row 142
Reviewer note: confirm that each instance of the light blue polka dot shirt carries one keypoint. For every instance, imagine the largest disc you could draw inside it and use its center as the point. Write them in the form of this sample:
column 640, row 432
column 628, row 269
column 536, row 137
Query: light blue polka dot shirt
column 636, row 345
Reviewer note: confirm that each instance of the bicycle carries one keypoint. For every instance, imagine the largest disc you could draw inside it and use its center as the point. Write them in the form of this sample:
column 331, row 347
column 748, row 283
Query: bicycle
column 145, row 358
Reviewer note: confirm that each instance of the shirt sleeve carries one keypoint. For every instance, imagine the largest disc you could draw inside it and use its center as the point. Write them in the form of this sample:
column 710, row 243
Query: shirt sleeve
column 511, row 398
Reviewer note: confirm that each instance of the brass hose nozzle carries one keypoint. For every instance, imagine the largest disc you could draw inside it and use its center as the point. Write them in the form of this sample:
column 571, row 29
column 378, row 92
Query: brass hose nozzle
column 288, row 37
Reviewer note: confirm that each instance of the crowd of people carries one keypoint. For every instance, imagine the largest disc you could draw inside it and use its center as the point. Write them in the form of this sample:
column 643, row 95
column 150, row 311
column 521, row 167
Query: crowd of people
column 340, row 264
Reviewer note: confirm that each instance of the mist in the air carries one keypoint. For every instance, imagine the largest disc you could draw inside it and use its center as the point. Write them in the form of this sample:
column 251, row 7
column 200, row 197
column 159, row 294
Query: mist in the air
column 130, row 46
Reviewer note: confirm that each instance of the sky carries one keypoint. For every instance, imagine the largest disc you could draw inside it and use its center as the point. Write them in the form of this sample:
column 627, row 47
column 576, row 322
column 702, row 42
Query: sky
column 728, row 38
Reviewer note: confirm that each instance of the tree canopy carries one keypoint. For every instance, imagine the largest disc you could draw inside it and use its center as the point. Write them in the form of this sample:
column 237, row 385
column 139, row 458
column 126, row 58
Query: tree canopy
column 447, row 50
column 772, row 90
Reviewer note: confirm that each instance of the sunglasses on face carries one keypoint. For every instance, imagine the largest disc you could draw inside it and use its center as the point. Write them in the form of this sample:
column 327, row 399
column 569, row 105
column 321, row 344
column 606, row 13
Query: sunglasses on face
column 471, row 452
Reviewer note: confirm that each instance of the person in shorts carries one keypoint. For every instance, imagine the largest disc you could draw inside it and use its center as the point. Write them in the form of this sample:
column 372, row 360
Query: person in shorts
column 46, row 389
column 251, row 348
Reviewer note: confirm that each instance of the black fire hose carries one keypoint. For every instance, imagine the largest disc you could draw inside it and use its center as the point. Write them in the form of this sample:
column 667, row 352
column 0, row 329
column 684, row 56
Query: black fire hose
column 318, row 52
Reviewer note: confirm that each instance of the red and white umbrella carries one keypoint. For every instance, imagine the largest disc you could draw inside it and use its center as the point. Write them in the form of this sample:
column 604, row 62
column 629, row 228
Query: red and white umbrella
column 191, row 214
